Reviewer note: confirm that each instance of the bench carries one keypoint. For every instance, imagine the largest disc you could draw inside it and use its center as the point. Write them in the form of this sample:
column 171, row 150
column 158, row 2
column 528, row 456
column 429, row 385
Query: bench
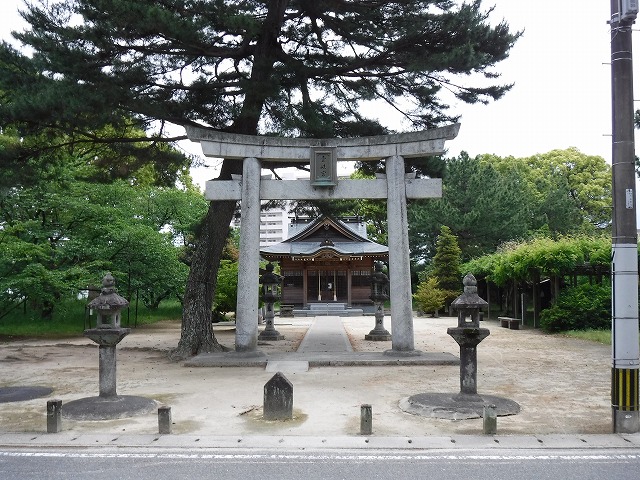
column 286, row 310
column 510, row 323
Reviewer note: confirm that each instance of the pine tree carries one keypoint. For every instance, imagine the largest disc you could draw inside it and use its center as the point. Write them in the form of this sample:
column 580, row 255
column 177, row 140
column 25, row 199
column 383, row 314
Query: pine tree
column 446, row 264
column 285, row 67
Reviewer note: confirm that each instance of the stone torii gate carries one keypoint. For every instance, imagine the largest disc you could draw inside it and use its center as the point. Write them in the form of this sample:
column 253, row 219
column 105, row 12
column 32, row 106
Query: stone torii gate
column 322, row 155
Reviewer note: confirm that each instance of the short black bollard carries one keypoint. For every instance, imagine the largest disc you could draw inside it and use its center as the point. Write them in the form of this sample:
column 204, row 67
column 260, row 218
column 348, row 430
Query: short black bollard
column 164, row 420
column 54, row 416
column 366, row 420
column 489, row 420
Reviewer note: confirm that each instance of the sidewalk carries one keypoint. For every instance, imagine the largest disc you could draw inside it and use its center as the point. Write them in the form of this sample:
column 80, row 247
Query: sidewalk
column 561, row 384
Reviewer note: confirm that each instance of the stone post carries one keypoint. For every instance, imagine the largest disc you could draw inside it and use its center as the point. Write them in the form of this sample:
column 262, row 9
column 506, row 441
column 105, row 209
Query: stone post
column 489, row 420
column 164, row 420
column 366, row 420
column 54, row 416
column 249, row 262
column 402, row 342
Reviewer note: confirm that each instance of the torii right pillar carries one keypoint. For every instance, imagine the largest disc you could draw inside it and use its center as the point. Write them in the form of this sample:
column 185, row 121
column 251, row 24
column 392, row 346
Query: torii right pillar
column 402, row 340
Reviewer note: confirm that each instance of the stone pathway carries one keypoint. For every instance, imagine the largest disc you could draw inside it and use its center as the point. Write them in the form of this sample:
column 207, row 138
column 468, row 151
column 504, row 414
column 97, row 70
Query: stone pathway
column 326, row 334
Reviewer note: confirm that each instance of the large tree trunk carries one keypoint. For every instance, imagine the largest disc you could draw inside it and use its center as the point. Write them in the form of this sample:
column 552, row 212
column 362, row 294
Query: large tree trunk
column 197, row 333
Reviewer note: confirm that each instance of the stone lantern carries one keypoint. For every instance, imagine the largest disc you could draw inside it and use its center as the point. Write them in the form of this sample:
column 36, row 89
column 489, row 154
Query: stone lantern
column 468, row 334
column 108, row 332
column 270, row 294
column 379, row 295
column 468, row 403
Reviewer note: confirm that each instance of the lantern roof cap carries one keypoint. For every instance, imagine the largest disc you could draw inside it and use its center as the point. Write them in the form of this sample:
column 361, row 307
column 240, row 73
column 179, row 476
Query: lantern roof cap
column 470, row 297
column 269, row 276
column 108, row 298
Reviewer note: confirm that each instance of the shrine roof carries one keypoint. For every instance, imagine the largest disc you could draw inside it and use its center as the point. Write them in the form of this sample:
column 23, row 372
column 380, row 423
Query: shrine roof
column 325, row 236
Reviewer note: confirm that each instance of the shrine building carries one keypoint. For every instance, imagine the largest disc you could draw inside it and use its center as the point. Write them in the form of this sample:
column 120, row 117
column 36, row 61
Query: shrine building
column 326, row 260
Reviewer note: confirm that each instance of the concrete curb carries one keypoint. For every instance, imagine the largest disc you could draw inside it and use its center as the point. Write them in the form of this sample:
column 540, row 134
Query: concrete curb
column 199, row 442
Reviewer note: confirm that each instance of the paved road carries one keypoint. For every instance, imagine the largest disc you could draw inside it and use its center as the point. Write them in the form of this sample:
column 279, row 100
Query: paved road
column 159, row 464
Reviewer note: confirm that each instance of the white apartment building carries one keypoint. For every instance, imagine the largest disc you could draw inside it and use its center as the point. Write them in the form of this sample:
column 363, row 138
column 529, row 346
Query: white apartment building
column 274, row 226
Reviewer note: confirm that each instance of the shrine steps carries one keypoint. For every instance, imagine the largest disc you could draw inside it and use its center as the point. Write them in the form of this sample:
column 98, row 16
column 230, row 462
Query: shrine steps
column 320, row 309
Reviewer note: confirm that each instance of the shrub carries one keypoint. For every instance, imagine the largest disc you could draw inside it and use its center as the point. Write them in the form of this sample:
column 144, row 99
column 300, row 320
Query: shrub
column 428, row 297
column 579, row 308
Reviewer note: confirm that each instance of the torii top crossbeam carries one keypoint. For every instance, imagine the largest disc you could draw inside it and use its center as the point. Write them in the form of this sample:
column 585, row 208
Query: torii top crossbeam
column 235, row 146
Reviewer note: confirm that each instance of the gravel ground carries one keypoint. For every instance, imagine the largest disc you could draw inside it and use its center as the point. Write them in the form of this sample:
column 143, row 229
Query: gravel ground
column 561, row 384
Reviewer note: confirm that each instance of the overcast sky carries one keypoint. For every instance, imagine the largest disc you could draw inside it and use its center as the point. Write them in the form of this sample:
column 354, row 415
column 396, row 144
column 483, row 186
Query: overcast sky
column 560, row 68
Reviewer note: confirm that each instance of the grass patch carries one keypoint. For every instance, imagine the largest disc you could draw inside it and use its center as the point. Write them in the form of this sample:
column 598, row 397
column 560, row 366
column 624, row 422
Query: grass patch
column 599, row 336
column 167, row 310
column 71, row 319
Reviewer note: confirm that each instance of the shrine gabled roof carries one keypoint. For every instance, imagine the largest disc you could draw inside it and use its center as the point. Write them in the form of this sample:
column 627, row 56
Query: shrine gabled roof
column 326, row 237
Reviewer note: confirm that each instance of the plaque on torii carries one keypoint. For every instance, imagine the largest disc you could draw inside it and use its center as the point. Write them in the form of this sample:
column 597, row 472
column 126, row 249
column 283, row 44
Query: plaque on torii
column 324, row 167
column 323, row 154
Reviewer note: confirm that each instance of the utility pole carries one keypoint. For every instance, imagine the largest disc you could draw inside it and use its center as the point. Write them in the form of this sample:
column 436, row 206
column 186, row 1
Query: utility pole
column 624, row 263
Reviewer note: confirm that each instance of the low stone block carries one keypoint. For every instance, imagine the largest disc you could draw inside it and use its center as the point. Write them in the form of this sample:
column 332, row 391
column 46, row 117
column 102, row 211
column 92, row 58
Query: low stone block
column 278, row 398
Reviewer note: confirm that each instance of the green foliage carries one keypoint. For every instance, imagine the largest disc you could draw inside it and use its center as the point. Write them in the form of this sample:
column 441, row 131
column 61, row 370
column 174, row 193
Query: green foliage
column 587, row 179
column 304, row 67
column 490, row 200
column 101, row 155
column 544, row 256
column 579, row 308
column 483, row 207
column 227, row 290
column 569, row 191
column 446, row 264
column 428, row 297
column 68, row 319
column 61, row 233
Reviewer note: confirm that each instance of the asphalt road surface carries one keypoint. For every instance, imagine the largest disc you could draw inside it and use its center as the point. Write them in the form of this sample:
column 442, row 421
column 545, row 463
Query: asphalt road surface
column 158, row 464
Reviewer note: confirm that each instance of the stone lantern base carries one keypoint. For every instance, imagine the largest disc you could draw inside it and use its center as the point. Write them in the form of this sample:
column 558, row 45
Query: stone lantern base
column 374, row 336
column 271, row 335
column 456, row 406
column 20, row 394
column 379, row 333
